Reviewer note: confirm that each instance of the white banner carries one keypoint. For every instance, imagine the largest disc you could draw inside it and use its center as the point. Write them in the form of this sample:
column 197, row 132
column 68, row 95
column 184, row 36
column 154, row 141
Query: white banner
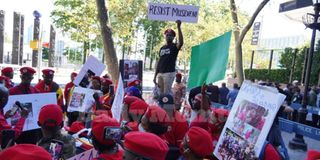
column 249, row 122
column 173, row 12
column 81, row 100
column 92, row 67
column 87, row 155
column 118, row 100
column 32, row 102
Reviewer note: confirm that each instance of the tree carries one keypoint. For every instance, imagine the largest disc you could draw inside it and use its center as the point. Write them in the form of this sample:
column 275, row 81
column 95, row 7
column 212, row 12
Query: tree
column 239, row 36
column 109, row 51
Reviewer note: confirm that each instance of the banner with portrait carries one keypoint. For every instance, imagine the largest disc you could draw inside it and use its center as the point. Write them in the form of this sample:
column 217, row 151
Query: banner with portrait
column 131, row 70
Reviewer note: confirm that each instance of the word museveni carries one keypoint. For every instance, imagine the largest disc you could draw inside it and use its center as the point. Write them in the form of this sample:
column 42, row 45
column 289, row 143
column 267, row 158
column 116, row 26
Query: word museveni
column 170, row 11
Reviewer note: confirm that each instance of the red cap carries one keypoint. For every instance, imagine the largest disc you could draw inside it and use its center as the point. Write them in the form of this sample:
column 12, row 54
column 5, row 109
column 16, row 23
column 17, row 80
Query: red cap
column 29, row 70
column 48, row 72
column 221, row 113
column 134, row 82
column 156, row 114
column 178, row 75
column 199, row 141
column 50, row 115
column 98, row 125
column 146, row 144
column 312, row 155
column 201, row 122
column 25, row 152
column 129, row 99
column 170, row 31
column 270, row 153
column 138, row 107
column 74, row 74
column 106, row 81
column 6, row 70
column 96, row 78
column 76, row 127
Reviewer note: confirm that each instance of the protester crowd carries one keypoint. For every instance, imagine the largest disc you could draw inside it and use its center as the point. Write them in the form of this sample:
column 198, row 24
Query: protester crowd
column 173, row 125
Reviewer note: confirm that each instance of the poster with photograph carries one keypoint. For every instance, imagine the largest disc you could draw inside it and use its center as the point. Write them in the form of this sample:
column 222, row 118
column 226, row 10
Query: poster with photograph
column 130, row 70
column 33, row 103
column 249, row 122
column 81, row 99
column 92, row 67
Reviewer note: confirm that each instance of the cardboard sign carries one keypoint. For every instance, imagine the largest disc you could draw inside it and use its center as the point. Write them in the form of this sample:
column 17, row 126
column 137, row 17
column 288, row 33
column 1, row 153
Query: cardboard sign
column 249, row 122
column 87, row 155
column 81, row 99
column 92, row 67
column 118, row 101
column 172, row 12
column 32, row 102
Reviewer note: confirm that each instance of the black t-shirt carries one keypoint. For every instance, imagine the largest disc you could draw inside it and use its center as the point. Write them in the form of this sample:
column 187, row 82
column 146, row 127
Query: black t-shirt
column 168, row 56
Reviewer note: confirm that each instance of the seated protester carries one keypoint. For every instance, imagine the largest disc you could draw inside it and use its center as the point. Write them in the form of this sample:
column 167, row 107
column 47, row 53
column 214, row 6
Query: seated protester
column 197, row 144
column 75, row 128
column 133, row 112
column 136, row 83
column 134, row 91
column 25, row 152
column 107, row 148
column 313, row 155
column 51, row 121
column 103, row 104
column 155, row 121
column 142, row 145
column 82, row 141
column 178, row 125
column 4, row 93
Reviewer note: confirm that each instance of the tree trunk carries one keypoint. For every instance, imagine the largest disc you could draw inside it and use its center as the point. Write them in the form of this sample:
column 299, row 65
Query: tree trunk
column 52, row 47
column 109, row 50
column 150, row 66
column 16, row 39
column 240, row 36
column 21, row 39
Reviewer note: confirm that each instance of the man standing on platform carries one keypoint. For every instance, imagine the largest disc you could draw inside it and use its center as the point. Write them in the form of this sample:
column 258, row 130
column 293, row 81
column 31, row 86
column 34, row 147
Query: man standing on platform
column 26, row 75
column 166, row 66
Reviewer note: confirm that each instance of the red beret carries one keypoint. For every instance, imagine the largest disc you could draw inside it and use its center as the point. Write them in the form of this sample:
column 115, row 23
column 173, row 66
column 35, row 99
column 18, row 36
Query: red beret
column 170, row 31
column 146, row 144
column 25, row 152
column 74, row 74
column 312, row 155
column 179, row 75
column 29, row 70
column 157, row 114
column 199, row 141
column 7, row 70
column 138, row 107
column 201, row 122
column 270, row 153
column 48, row 72
column 98, row 125
column 129, row 99
column 134, row 82
column 76, row 127
column 96, row 78
column 106, row 81
column 50, row 115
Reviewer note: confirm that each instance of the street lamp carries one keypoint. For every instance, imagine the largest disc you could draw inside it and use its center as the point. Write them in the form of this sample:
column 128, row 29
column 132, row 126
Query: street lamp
column 310, row 21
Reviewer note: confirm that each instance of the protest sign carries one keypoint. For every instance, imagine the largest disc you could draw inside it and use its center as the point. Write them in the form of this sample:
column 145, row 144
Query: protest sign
column 209, row 61
column 81, row 99
column 87, row 155
column 130, row 70
column 92, row 67
column 32, row 102
column 118, row 101
column 172, row 12
column 249, row 122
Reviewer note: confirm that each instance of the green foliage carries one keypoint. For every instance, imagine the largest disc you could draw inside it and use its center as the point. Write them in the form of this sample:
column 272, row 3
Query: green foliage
column 275, row 75
column 45, row 53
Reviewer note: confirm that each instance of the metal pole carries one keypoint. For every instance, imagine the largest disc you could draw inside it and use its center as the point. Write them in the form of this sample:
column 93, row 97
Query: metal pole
column 270, row 61
column 298, row 142
column 252, row 57
column 293, row 63
column 303, row 75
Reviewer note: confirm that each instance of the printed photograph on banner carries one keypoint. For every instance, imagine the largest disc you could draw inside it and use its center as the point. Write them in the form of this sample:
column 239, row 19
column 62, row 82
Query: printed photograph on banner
column 85, row 80
column 77, row 100
column 235, row 147
column 130, row 70
column 249, row 122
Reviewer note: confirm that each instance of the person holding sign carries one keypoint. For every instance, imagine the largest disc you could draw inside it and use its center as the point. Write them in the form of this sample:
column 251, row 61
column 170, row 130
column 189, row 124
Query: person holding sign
column 165, row 71
column 48, row 85
column 26, row 75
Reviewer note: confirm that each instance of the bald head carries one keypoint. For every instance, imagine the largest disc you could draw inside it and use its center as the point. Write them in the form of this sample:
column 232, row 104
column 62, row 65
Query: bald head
column 4, row 93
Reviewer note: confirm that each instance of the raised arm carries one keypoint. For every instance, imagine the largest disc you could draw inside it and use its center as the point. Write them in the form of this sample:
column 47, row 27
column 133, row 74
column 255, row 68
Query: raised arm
column 180, row 43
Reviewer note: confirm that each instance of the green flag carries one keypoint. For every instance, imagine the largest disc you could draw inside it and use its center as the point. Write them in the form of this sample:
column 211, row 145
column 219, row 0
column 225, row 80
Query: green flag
column 209, row 61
